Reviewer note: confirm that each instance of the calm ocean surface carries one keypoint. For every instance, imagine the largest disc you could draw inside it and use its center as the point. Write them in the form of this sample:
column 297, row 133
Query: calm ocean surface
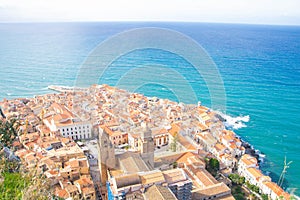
column 260, row 67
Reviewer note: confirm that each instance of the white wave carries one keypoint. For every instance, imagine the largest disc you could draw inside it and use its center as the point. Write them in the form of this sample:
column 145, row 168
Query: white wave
column 243, row 118
column 268, row 173
column 261, row 160
column 262, row 155
column 235, row 122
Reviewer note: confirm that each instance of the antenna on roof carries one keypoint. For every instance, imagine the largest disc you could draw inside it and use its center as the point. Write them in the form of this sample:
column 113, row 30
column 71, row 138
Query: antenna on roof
column 284, row 171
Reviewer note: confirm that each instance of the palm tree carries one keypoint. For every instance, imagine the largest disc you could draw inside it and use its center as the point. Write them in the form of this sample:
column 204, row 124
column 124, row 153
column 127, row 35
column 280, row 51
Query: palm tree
column 284, row 171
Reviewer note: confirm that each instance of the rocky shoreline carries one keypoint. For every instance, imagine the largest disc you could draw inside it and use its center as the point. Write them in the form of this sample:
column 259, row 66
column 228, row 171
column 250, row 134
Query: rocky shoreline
column 249, row 149
column 253, row 152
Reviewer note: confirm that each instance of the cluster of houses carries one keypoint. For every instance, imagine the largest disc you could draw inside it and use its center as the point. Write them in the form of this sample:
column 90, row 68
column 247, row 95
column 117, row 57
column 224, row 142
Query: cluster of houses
column 51, row 123
column 60, row 159
column 135, row 174
column 248, row 168
column 47, row 151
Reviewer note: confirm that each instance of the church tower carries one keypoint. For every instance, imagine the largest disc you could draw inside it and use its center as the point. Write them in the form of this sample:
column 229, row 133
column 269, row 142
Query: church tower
column 147, row 146
column 106, row 155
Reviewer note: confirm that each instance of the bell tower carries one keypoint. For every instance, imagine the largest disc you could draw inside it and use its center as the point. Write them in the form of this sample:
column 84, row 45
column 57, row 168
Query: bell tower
column 147, row 146
column 106, row 153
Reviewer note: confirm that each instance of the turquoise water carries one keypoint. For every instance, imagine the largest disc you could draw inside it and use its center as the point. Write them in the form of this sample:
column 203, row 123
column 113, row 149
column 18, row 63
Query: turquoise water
column 260, row 67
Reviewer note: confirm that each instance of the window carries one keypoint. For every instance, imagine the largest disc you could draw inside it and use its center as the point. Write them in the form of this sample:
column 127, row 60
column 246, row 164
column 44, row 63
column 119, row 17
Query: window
column 71, row 129
column 67, row 129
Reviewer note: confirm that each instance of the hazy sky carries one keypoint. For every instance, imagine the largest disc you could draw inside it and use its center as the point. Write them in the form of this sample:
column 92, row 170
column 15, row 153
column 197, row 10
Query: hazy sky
column 231, row 11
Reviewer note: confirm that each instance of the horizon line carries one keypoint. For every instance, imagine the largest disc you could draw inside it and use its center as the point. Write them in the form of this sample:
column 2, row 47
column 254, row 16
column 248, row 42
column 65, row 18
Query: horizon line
column 146, row 21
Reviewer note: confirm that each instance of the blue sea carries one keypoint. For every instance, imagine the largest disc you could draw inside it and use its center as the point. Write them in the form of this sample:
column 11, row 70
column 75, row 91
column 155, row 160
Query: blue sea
column 259, row 65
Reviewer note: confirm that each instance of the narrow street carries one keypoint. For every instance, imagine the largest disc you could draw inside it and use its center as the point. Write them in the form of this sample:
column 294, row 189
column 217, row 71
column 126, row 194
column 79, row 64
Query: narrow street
column 94, row 169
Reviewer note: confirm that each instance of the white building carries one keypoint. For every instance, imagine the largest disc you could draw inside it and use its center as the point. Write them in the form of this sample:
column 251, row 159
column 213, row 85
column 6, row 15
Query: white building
column 77, row 131
column 64, row 121
column 246, row 161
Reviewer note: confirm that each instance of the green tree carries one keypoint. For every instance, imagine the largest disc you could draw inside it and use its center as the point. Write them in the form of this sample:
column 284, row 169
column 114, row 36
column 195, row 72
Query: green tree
column 12, row 185
column 214, row 164
column 238, row 193
column 22, row 184
column 8, row 132
column 175, row 165
column 239, row 197
column 254, row 197
column 17, row 182
column 236, row 179
column 254, row 188
column 264, row 196
column 242, row 180
column 233, row 178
